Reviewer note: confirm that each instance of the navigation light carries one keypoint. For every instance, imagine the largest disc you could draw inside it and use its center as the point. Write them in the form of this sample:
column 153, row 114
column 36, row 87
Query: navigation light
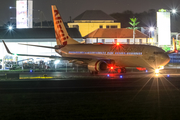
column 176, row 51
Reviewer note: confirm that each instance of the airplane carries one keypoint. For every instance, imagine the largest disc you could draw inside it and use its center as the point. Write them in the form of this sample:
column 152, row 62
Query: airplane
column 100, row 57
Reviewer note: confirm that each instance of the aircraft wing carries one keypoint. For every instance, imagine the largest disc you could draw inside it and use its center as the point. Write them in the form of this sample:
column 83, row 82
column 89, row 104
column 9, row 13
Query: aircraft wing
column 63, row 58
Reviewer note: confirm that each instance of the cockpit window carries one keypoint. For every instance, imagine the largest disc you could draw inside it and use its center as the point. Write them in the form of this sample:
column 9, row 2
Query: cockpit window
column 158, row 52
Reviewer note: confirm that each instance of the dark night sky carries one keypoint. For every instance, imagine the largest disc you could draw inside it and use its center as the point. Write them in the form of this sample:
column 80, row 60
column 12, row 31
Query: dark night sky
column 73, row 8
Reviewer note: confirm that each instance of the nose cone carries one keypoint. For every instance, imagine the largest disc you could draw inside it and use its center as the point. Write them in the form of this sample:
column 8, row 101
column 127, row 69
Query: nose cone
column 163, row 59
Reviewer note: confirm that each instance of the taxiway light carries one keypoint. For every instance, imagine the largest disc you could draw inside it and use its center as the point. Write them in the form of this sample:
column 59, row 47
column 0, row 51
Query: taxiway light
column 168, row 75
column 121, row 76
column 31, row 71
column 108, row 75
column 146, row 70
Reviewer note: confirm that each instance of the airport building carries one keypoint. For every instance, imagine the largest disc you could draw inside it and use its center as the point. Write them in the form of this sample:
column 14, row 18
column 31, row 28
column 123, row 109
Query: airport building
column 24, row 13
column 91, row 20
column 36, row 36
column 114, row 35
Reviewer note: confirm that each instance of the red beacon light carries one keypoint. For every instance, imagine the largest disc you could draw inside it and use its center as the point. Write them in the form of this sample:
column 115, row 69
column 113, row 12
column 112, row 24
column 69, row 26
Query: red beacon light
column 176, row 51
column 117, row 43
column 112, row 68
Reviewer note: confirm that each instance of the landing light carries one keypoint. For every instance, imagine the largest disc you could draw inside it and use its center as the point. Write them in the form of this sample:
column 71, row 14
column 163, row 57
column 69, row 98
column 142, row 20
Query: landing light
column 157, row 71
column 31, row 71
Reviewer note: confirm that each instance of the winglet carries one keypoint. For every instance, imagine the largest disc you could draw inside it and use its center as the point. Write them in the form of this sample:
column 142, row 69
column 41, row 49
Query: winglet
column 6, row 47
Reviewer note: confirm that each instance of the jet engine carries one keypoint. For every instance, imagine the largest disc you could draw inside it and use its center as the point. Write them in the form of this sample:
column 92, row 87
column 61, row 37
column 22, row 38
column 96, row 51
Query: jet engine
column 97, row 65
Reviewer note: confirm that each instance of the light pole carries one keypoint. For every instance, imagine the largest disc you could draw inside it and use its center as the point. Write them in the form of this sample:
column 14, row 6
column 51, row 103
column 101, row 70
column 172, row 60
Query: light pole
column 151, row 29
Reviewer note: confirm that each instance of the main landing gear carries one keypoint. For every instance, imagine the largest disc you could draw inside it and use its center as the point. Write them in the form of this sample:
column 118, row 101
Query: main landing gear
column 94, row 72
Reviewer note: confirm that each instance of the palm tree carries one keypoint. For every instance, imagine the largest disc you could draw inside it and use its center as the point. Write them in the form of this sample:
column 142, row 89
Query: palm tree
column 133, row 23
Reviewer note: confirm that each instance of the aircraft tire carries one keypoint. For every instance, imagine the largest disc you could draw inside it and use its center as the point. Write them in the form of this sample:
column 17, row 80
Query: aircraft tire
column 123, row 70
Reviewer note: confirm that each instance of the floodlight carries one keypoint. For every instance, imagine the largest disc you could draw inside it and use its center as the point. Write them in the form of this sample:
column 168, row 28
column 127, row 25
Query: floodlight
column 151, row 29
column 57, row 61
column 10, row 27
column 174, row 11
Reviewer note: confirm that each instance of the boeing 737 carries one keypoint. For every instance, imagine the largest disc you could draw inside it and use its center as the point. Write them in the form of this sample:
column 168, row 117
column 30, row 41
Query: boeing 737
column 101, row 57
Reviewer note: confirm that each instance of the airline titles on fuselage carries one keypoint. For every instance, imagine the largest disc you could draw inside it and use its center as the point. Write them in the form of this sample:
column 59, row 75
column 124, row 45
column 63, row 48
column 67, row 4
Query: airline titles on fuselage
column 106, row 53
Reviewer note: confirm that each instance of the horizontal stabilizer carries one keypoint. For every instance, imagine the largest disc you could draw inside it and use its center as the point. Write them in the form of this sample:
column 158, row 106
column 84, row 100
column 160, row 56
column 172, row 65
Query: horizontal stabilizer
column 58, row 47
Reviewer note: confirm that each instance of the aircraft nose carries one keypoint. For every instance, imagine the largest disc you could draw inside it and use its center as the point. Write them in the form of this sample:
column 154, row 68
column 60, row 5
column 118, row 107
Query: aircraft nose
column 165, row 59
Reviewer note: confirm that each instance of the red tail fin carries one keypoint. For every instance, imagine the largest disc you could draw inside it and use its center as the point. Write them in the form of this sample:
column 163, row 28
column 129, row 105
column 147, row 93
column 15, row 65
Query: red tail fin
column 62, row 37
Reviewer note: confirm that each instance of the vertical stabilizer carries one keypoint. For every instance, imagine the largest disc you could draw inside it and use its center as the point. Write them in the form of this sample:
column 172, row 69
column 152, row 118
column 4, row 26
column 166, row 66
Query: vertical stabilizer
column 62, row 37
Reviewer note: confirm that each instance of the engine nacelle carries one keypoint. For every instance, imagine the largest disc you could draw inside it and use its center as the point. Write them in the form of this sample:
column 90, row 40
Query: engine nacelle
column 97, row 65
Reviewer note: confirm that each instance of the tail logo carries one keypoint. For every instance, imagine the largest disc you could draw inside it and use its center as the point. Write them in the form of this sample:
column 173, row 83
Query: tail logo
column 60, row 34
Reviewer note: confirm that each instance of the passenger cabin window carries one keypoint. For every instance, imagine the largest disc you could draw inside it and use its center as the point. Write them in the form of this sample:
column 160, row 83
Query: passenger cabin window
column 100, row 26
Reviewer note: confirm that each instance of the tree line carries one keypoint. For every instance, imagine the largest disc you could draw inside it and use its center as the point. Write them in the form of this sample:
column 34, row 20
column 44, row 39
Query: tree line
column 145, row 19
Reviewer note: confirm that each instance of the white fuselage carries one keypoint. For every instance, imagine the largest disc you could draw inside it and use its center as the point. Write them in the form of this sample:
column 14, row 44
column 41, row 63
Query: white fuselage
column 124, row 55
